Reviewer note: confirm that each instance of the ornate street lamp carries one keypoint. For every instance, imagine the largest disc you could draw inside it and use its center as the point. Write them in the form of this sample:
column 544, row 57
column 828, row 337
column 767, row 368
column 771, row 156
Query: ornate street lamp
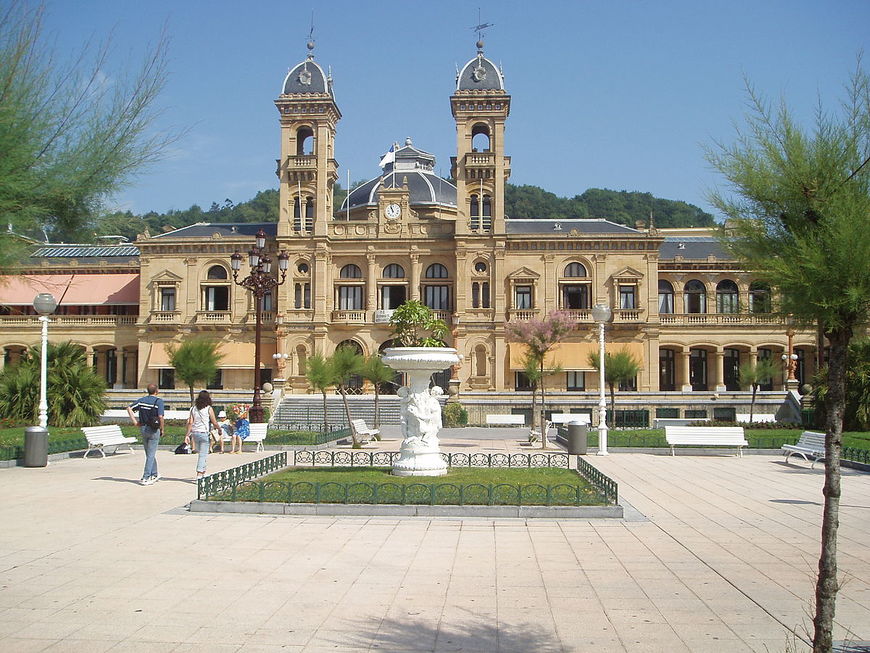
column 259, row 282
column 44, row 304
column 601, row 313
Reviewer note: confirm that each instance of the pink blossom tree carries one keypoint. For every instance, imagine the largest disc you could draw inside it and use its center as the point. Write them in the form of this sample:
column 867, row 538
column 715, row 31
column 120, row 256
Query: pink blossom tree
column 540, row 336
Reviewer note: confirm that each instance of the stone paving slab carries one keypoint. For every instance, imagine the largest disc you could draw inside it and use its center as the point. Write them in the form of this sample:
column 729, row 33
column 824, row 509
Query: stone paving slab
column 92, row 561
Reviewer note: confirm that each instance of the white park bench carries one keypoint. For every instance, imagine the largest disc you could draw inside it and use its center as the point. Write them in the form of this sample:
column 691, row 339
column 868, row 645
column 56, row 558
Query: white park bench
column 362, row 431
column 258, row 435
column 100, row 437
column 810, row 443
column 707, row 436
column 505, row 420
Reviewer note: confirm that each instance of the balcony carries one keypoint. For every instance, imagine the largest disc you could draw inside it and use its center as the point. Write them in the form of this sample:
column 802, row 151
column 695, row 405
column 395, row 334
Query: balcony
column 480, row 159
column 307, row 162
column 627, row 315
column 524, row 315
column 165, row 317
column 266, row 317
column 213, row 317
column 444, row 316
column 580, row 316
column 724, row 319
column 69, row 320
column 349, row 317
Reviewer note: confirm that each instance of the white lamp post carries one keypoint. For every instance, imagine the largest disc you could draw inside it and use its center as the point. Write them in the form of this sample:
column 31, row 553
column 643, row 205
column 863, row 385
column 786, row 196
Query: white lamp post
column 44, row 304
column 601, row 314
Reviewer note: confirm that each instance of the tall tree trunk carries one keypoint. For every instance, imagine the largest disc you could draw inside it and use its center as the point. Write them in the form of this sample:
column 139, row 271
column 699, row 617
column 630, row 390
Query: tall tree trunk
column 190, row 388
column 752, row 403
column 325, row 419
column 543, row 421
column 356, row 444
column 377, row 409
column 612, row 405
column 835, row 406
column 535, row 415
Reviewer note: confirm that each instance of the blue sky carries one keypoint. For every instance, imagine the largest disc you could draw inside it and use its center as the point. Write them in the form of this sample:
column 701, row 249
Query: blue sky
column 605, row 94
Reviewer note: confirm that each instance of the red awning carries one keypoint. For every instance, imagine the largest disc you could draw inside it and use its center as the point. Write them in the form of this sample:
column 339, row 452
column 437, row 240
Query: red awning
column 71, row 289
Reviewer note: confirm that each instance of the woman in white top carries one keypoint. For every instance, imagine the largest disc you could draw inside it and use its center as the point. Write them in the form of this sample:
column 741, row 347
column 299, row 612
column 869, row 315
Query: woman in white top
column 201, row 417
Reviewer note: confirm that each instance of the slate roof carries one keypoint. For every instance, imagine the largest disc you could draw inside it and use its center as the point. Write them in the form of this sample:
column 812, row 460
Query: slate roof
column 306, row 78
column 86, row 251
column 480, row 74
column 692, row 247
column 225, row 229
column 584, row 226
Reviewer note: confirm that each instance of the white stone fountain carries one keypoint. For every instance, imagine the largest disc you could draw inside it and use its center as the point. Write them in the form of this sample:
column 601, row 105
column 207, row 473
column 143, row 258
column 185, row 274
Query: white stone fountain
column 420, row 454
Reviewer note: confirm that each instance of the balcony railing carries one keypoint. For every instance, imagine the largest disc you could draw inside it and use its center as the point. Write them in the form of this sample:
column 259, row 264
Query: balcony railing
column 480, row 159
column 69, row 320
column 308, row 161
column 691, row 319
column 266, row 317
column 165, row 317
column 627, row 315
column 445, row 316
column 213, row 317
column 522, row 315
column 349, row 317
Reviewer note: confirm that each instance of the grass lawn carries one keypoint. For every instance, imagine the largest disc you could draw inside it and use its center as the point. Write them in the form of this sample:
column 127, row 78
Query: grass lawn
column 460, row 486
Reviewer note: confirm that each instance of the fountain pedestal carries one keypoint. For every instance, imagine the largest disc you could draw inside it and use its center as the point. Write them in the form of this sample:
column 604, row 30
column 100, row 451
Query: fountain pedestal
column 420, row 454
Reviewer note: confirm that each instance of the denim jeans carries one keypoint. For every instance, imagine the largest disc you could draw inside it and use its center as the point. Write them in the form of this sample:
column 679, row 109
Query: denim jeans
column 202, row 445
column 150, row 440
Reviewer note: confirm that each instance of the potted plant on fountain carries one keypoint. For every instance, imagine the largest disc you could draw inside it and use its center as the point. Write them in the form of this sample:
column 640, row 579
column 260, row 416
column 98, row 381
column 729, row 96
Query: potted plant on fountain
column 422, row 353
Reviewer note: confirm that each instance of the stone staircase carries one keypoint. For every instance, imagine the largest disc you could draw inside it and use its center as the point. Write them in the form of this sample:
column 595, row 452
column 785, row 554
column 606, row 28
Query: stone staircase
column 301, row 411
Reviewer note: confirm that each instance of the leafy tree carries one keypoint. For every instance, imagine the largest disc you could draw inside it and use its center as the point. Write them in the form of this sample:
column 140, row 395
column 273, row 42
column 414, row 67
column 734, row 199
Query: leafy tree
column 412, row 320
column 798, row 218
column 540, row 336
column 375, row 370
column 320, row 375
column 857, row 414
column 74, row 391
column 345, row 363
column 68, row 138
column 754, row 375
column 619, row 368
column 195, row 361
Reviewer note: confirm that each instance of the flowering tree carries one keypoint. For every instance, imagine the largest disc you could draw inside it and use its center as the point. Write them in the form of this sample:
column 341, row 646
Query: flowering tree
column 540, row 336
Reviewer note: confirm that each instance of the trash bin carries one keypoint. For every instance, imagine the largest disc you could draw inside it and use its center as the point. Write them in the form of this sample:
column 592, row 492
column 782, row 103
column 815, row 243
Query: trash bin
column 35, row 446
column 577, row 436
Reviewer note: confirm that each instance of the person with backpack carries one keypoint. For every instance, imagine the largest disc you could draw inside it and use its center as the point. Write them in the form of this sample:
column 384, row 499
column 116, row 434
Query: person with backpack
column 151, row 425
column 198, row 426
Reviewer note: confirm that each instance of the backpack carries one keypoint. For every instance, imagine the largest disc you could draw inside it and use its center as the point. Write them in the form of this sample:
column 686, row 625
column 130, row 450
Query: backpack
column 182, row 448
column 149, row 416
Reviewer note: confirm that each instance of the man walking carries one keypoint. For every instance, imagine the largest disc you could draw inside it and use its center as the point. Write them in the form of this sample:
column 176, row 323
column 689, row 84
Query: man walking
column 151, row 424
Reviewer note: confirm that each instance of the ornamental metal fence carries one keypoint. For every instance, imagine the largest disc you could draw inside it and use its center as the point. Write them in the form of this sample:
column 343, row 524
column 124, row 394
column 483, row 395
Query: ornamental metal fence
column 386, row 459
column 606, row 485
column 230, row 478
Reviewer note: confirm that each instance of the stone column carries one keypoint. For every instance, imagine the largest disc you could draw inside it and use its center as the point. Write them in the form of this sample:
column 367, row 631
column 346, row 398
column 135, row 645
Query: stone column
column 414, row 290
column 719, row 385
column 371, row 283
column 684, row 359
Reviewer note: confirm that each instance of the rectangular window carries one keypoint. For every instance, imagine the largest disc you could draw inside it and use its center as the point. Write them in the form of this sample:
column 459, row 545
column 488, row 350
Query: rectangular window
column 575, row 381
column 521, row 382
column 726, row 302
column 217, row 381
column 475, row 295
column 627, row 299
column 666, row 303
column 523, row 297
column 437, row 297
column 166, row 379
column 630, row 385
column 350, row 298
column 268, row 301
column 167, row 299
column 216, row 298
column 575, row 297
column 302, row 295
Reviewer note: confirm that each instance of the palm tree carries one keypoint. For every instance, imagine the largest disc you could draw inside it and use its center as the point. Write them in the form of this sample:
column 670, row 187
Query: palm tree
column 373, row 369
column 74, row 390
column 753, row 375
column 346, row 362
column 195, row 361
column 320, row 375
column 619, row 368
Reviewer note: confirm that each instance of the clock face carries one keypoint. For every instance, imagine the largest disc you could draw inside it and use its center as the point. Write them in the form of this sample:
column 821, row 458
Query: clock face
column 393, row 211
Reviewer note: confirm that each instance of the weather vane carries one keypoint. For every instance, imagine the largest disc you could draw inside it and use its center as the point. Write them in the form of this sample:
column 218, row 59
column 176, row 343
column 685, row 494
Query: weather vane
column 480, row 26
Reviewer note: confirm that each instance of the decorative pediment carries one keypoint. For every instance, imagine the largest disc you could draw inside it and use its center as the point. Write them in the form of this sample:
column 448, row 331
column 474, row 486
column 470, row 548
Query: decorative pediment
column 523, row 273
column 628, row 273
column 165, row 276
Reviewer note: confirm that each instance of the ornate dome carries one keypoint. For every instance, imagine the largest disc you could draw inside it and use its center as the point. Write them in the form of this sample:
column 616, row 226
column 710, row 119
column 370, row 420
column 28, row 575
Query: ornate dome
column 307, row 77
column 480, row 74
column 414, row 167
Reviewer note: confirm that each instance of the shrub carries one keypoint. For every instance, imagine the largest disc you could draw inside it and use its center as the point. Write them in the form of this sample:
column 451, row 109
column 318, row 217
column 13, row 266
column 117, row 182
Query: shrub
column 454, row 415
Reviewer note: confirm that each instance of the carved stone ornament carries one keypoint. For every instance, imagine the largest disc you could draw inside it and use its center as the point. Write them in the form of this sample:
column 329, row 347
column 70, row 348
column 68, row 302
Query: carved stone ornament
column 304, row 77
column 479, row 73
column 420, row 412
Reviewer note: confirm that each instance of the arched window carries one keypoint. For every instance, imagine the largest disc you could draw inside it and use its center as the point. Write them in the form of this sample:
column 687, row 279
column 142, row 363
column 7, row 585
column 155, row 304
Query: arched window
column 480, row 360
column 480, row 141
column 301, row 359
column 575, row 270
column 695, row 297
column 216, row 272
column 215, row 292
column 436, row 271
column 666, row 297
column 304, row 141
column 727, row 297
column 759, row 297
column 394, row 271
column 350, row 271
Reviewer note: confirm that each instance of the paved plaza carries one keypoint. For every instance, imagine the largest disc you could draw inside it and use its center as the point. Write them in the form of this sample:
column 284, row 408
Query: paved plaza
column 716, row 553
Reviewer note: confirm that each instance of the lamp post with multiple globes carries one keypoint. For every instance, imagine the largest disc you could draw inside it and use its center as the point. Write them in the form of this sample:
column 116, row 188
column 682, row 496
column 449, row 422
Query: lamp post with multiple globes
column 259, row 282
column 601, row 313
column 44, row 304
